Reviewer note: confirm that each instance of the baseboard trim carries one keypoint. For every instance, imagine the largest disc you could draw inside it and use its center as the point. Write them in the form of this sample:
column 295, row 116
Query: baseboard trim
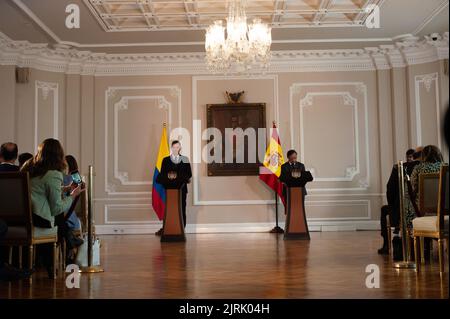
column 314, row 226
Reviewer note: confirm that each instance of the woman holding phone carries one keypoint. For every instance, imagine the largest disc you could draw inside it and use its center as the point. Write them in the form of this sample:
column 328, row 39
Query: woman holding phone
column 70, row 182
column 72, row 222
column 48, row 200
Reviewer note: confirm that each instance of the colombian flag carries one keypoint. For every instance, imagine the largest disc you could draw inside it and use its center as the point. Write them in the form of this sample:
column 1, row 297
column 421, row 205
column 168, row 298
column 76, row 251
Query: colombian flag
column 158, row 191
column 271, row 169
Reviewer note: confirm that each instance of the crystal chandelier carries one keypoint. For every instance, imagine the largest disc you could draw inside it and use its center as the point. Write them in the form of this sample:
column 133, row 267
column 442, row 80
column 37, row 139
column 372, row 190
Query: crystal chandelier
column 243, row 45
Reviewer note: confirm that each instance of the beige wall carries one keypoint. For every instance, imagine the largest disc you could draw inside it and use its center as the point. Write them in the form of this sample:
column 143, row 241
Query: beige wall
column 349, row 128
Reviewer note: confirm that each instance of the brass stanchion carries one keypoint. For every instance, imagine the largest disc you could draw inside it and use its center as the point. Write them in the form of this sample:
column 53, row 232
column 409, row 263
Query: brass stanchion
column 406, row 263
column 90, row 267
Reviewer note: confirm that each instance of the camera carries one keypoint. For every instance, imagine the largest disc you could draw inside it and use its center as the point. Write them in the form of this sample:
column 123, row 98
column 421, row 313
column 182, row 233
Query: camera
column 434, row 36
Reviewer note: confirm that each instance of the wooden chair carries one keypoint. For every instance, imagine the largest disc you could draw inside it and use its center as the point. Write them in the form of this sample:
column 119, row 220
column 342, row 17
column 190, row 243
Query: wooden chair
column 16, row 211
column 81, row 211
column 434, row 207
column 428, row 196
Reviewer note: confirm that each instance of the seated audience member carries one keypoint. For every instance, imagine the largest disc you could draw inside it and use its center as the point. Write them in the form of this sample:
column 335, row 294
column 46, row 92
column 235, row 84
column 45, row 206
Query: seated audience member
column 410, row 155
column 393, row 206
column 72, row 222
column 430, row 162
column 23, row 158
column 9, row 156
column 7, row 272
column 47, row 197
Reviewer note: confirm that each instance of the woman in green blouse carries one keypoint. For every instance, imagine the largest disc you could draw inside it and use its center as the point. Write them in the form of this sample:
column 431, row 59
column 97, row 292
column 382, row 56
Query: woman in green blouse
column 47, row 192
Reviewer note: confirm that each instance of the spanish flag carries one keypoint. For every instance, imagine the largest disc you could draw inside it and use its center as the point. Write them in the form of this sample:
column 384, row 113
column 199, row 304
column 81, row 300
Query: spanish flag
column 158, row 191
column 271, row 169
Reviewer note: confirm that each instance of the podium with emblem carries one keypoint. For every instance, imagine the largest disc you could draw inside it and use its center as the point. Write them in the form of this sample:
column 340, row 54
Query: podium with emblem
column 296, row 224
column 173, row 224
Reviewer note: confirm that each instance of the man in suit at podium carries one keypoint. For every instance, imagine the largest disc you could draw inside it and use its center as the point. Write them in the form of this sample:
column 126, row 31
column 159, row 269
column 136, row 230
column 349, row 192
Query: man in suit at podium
column 287, row 169
column 176, row 166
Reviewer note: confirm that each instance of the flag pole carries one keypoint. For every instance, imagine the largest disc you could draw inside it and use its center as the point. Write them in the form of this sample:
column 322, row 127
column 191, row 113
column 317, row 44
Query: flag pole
column 277, row 229
column 160, row 231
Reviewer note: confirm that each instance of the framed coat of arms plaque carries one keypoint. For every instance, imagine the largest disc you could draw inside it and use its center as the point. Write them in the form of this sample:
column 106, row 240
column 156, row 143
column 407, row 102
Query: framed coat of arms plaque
column 236, row 115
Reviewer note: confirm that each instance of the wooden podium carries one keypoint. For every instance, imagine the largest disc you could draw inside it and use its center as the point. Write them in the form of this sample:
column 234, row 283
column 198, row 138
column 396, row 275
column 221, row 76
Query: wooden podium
column 296, row 225
column 173, row 224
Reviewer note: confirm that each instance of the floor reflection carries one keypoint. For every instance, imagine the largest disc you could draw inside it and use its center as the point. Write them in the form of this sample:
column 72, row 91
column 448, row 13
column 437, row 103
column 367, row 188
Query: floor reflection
column 248, row 265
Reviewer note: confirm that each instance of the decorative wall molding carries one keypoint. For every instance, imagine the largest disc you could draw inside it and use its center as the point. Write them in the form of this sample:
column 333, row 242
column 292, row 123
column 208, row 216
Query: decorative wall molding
column 45, row 88
column 340, row 203
column 427, row 80
column 143, row 206
column 360, row 88
column 121, row 105
column 315, row 224
column 364, row 203
column 349, row 100
column 73, row 61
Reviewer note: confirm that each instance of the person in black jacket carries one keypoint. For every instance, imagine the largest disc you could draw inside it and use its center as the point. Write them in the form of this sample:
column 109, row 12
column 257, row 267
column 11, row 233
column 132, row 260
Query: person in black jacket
column 8, row 153
column 288, row 167
column 24, row 157
column 176, row 164
column 447, row 126
column 393, row 196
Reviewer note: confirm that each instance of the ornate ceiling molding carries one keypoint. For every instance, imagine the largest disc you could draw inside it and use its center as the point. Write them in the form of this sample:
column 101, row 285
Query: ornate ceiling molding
column 65, row 59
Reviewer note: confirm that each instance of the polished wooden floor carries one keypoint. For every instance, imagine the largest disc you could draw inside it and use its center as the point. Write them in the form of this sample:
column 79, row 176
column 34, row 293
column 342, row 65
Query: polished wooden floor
column 246, row 265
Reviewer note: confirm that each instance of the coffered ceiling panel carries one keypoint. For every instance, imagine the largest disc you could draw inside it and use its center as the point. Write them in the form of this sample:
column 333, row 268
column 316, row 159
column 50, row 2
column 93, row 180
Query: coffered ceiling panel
column 141, row 15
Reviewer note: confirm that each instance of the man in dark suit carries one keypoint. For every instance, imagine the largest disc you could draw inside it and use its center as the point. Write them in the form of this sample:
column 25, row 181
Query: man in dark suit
column 8, row 155
column 288, row 167
column 393, row 206
column 176, row 164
